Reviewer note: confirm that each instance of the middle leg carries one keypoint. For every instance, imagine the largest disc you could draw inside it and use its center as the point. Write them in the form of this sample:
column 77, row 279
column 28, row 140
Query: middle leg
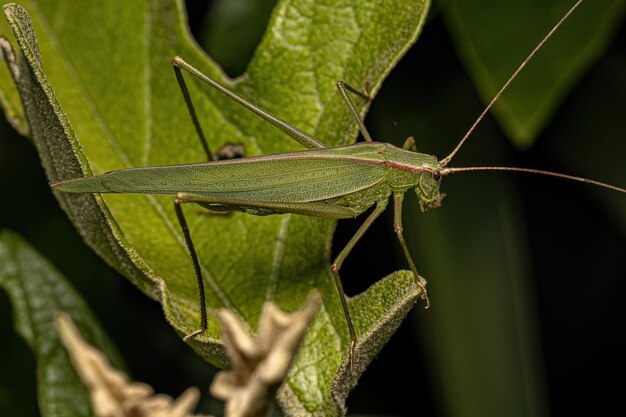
column 397, row 226
column 339, row 261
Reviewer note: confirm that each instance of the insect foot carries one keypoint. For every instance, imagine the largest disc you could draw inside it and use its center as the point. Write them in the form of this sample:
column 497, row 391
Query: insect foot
column 421, row 283
column 193, row 334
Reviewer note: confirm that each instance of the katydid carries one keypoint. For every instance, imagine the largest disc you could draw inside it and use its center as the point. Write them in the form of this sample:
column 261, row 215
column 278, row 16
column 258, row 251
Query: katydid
column 331, row 182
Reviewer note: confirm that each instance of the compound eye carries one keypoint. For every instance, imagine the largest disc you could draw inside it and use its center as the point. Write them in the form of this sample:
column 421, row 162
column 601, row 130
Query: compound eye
column 436, row 175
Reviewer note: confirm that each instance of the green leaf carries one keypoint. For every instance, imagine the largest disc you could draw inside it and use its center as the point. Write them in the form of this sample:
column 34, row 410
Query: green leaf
column 38, row 293
column 112, row 76
column 530, row 101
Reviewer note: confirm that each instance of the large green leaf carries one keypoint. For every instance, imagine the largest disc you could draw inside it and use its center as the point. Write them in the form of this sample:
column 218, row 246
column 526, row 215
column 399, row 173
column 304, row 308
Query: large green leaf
column 116, row 104
column 493, row 38
column 38, row 292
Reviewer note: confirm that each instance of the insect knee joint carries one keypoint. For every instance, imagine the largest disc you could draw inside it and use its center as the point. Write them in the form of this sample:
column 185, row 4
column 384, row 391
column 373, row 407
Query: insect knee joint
column 180, row 198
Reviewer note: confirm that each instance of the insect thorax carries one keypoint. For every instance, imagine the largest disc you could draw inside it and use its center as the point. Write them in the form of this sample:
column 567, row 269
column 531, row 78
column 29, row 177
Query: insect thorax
column 419, row 174
column 364, row 199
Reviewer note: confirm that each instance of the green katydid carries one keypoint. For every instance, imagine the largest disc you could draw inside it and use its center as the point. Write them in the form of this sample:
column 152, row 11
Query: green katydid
column 332, row 182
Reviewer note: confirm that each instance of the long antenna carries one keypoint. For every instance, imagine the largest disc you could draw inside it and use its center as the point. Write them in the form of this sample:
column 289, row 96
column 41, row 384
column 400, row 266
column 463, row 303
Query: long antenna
column 447, row 171
column 448, row 158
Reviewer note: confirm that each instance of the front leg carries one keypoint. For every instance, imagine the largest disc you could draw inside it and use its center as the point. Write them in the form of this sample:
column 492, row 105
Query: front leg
column 397, row 227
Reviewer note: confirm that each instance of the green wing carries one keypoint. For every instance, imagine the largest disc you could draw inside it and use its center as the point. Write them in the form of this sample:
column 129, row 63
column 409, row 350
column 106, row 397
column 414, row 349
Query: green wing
column 303, row 176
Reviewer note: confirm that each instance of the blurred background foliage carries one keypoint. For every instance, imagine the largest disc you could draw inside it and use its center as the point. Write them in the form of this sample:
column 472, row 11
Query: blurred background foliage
column 526, row 274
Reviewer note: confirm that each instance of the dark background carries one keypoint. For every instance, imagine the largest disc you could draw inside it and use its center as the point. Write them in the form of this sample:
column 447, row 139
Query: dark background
column 580, row 342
